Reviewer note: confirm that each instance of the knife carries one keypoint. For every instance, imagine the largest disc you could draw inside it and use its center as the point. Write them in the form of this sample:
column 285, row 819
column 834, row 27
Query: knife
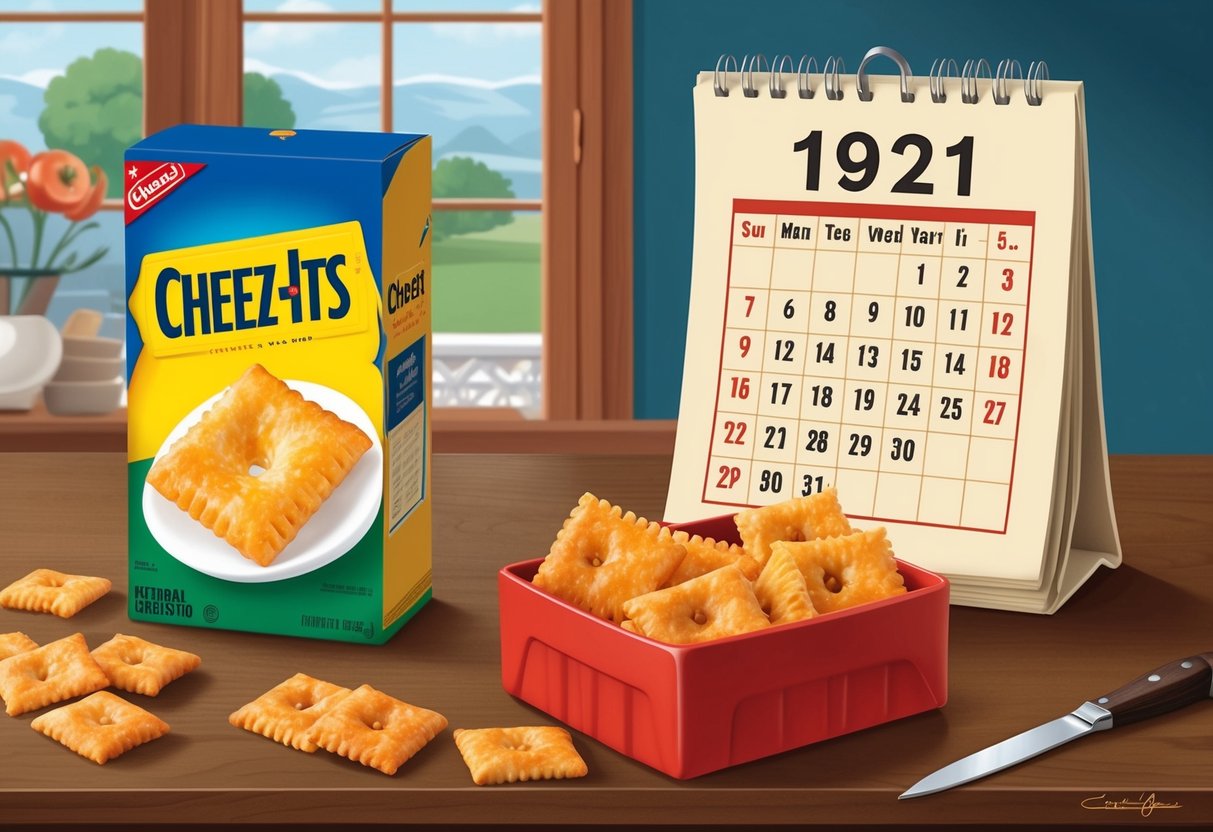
column 1171, row 686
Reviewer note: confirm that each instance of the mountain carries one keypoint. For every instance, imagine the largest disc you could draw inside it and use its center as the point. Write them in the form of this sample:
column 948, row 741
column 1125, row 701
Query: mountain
column 475, row 139
column 318, row 108
column 497, row 125
column 20, row 105
column 494, row 125
column 529, row 145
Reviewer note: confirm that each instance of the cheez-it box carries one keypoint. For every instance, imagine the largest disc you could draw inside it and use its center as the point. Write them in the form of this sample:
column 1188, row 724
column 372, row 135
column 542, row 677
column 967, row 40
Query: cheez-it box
column 278, row 360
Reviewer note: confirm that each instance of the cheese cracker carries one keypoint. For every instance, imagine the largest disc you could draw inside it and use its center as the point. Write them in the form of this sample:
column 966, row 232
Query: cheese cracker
column 512, row 755
column 781, row 590
column 372, row 728
column 846, row 571
column 286, row 712
column 705, row 555
column 49, row 674
column 100, row 727
column 13, row 643
column 715, row 605
column 306, row 452
column 45, row 590
column 139, row 666
column 804, row 518
column 602, row 557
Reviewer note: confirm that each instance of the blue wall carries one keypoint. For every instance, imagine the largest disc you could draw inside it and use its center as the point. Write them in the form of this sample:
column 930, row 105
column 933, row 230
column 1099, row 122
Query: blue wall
column 1148, row 69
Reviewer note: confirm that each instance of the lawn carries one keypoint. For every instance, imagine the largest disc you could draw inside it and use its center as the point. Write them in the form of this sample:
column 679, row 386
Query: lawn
column 488, row 281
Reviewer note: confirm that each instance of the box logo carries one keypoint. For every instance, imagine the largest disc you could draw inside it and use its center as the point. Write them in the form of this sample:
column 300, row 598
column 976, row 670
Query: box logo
column 149, row 182
column 282, row 288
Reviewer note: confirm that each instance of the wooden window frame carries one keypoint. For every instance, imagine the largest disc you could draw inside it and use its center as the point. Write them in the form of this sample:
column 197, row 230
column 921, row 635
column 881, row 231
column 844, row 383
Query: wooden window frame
column 587, row 130
column 193, row 72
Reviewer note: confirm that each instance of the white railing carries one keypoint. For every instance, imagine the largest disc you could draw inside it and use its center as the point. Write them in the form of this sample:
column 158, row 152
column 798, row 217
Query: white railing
column 491, row 370
column 470, row 370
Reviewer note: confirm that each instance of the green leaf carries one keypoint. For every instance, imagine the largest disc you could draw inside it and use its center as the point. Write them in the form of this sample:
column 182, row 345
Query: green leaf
column 88, row 261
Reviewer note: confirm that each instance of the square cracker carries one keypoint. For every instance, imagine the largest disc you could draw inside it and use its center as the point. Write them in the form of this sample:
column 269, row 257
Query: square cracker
column 602, row 557
column 306, row 452
column 49, row 674
column 512, row 755
column 286, row 712
column 715, row 605
column 100, row 727
column 13, row 643
column 139, row 666
column 45, row 590
column 706, row 555
column 781, row 590
column 804, row 518
column 372, row 728
column 843, row 572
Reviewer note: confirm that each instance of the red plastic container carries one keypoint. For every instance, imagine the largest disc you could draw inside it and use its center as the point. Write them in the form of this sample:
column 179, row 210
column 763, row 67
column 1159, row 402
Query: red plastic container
column 688, row 710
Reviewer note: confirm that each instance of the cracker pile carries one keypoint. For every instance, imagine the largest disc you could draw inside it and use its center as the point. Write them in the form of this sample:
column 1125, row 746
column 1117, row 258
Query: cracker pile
column 364, row 725
column 798, row 559
column 101, row 726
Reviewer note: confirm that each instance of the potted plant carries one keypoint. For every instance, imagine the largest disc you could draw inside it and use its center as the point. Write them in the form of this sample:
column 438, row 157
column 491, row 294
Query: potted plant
column 51, row 182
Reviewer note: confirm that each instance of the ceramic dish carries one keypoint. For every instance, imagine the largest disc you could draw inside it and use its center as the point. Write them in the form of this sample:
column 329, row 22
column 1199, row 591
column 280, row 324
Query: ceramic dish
column 30, row 350
column 82, row 398
column 82, row 368
column 92, row 347
column 339, row 524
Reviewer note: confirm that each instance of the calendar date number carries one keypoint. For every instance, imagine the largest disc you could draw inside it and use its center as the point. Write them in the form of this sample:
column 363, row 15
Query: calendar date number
column 858, row 157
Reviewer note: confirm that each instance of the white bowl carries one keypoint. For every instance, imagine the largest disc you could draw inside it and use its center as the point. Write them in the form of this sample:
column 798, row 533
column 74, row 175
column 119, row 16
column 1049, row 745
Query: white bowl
column 81, row 368
column 30, row 349
column 20, row 399
column 92, row 347
column 79, row 398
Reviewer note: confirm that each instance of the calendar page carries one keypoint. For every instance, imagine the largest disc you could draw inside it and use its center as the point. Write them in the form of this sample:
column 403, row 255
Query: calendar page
column 880, row 303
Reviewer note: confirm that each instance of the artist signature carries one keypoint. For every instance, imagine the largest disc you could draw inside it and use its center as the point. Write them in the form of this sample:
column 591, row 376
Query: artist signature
column 1146, row 804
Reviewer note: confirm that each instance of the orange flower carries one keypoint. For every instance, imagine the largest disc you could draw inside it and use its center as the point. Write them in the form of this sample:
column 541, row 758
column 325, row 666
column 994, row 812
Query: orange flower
column 57, row 181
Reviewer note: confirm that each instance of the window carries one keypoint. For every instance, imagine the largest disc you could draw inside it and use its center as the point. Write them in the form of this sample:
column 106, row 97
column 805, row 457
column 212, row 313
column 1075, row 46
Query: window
column 561, row 266
column 469, row 73
column 70, row 79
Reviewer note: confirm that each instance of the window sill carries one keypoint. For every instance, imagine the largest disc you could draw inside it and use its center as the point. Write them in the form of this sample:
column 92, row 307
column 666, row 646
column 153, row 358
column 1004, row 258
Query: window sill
column 461, row 431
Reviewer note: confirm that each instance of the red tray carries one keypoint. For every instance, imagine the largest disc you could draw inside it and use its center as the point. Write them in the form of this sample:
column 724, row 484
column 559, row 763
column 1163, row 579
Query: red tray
column 688, row 710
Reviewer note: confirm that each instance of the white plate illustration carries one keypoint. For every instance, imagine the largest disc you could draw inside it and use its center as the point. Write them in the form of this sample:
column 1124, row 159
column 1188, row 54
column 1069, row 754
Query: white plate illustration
column 331, row 532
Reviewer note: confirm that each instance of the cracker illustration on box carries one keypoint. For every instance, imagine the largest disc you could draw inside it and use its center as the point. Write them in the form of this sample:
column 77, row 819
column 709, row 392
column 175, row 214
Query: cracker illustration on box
column 304, row 452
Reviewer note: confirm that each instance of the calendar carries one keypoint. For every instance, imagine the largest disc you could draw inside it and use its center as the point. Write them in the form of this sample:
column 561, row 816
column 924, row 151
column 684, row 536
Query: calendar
column 893, row 295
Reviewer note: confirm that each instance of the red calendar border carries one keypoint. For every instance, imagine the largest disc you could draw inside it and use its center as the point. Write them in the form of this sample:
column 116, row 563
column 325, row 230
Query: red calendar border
column 883, row 212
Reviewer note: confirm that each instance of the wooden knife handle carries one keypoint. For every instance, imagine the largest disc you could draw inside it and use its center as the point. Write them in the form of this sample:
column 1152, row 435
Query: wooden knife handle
column 1171, row 686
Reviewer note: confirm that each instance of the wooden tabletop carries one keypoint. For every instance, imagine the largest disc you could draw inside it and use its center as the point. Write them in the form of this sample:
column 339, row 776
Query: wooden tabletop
column 1008, row 672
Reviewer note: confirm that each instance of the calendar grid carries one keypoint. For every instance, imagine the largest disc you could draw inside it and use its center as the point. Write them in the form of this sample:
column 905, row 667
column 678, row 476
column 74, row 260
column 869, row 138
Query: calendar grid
column 902, row 489
column 884, row 414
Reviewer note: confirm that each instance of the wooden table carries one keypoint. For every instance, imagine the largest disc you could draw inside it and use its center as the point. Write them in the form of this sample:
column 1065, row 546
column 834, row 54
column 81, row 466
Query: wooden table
column 1008, row 672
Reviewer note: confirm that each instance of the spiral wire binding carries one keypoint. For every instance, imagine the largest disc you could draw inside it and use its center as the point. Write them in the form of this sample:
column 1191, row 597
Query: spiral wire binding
column 1038, row 73
column 969, row 76
column 834, row 68
column 806, row 66
column 1008, row 69
column 722, row 89
column 833, row 65
column 747, row 74
column 942, row 69
column 775, row 81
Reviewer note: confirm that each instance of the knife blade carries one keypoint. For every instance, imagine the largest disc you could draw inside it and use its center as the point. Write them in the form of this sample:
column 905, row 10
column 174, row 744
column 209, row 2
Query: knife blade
column 1171, row 686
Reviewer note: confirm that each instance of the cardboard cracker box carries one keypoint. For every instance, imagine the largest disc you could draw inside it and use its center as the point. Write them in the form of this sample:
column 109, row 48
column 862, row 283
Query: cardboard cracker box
column 279, row 371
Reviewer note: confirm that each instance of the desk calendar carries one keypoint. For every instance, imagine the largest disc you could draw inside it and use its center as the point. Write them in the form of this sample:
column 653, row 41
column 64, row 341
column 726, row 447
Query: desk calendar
column 892, row 294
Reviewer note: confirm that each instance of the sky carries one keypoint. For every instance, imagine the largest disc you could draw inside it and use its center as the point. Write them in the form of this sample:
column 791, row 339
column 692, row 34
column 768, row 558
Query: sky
column 333, row 54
